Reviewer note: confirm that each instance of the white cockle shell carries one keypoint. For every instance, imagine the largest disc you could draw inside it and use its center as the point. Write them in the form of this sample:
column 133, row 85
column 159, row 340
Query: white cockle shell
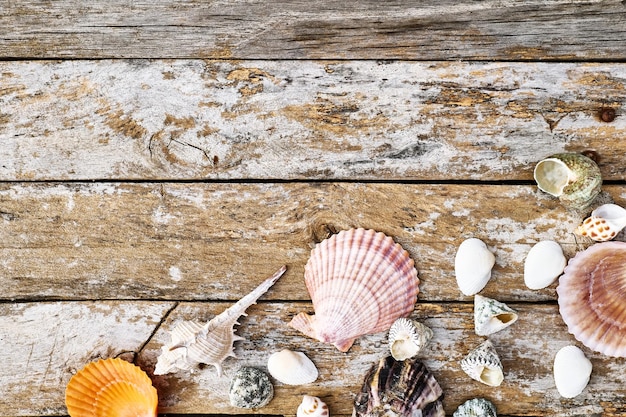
column 407, row 337
column 472, row 266
column 491, row 316
column 572, row 371
column 312, row 407
column 292, row 368
column 483, row 364
column 476, row 407
column 360, row 282
column 543, row 265
column 193, row 343
column 604, row 223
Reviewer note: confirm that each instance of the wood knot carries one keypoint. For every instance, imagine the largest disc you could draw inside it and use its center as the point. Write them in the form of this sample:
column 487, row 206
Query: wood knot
column 322, row 231
column 607, row 114
column 593, row 155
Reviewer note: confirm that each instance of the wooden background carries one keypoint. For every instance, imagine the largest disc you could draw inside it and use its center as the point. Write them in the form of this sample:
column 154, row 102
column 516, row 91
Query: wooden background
column 159, row 159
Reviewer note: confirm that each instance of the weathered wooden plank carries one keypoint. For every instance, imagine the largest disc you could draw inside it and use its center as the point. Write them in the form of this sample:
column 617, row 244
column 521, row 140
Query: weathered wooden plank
column 218, row 241
column 86, row 331
column 303, row 120
column 442, row 30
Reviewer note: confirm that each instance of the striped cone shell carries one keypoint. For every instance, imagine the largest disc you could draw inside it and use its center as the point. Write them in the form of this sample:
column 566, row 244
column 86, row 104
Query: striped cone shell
column 360, row 282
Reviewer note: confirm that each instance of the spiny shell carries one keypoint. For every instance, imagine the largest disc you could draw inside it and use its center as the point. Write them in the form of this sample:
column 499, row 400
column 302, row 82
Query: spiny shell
column 192, row 343
column 543, row 265
column 476, row 407
column 292, row 368
column 113, row 388
column 591, row 294
column 483, row 364
column 472, row 266
column 250, row 388
column 491, row 316
column 572, row 371
column 399, row 389
column 572, row 177
column 604, row 223
column 312, row 407
column 407, row 337
column 360, row 282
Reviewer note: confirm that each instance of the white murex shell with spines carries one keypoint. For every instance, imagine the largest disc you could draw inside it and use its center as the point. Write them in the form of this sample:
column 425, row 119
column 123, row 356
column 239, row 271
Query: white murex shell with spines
column 360, row 282
column 472, row 265
column 407, row 337
column 193, row 343
column 312, row 407
column 491, row 316
column 483, row 364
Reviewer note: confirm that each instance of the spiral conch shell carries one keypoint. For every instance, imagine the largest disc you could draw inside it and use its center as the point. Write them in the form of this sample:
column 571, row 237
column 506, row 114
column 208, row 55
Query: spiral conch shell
column 604, row 223
column 476, row 407
column 483, row 364
column 591, row 294
column 193, row 343
column 113, row 388
column 360, row 282
column 491, row 316
column 312, row 407
column 407, row 337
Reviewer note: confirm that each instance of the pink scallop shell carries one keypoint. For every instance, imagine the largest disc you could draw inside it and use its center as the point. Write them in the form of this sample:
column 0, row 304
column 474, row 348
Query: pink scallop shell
column 360, row 282
column 592, row 297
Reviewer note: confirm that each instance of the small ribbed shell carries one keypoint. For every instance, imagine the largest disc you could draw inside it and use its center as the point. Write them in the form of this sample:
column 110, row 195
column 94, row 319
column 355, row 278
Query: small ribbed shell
column 312, row 407
column 360, row 282
column 407, row 337
column 491, row 316
column 292, row 368
column 111, row 388
column 591, row 294
column 476, row 407
column 483, row 364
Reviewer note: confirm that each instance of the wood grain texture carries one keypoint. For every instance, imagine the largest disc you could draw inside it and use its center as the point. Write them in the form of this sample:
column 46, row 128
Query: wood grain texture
column 430, row 30
column 85, row 120
column 218, row 241
column 86, row 331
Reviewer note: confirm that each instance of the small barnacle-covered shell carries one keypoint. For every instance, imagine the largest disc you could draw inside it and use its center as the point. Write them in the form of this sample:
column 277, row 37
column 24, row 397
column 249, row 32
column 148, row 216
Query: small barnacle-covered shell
column 292, row 368
column 250, row 388
column 483, row 364
column 604, row 223
column 312, row 407
column 472, row 266
column 572, row 371
column 491, row 316
column 572, row 177
column 476, row 407
column 407, row 337
column 543, row 265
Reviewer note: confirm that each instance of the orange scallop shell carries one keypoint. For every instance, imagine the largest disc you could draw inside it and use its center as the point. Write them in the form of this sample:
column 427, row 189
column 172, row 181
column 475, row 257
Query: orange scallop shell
column 111, row 388
column 592, row 297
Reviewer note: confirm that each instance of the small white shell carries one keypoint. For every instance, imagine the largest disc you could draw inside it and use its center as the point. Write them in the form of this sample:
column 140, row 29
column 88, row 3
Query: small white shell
column 572, row 371
column 544, row 263
column 491, row 316
column 483, row 364
column 312, row 407
column 292, row 368
column 407, row 337
column 472, row 266
column 604, row 223
column 476, row 407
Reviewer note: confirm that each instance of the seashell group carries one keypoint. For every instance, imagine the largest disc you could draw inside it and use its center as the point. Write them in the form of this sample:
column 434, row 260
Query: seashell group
column 312, row 407
column 193, row 343
column 472, row 266
column 491, row 316
column 292, row 368
column 604, row 223
column 543, row 265
column 250, row 388
column 360, row 282
column 483, row 364
column 111, row 387
column 591, row 294
column 572, row 177
column 399, row 389
column 407, row 337
column 572, row 371
column 476, row 407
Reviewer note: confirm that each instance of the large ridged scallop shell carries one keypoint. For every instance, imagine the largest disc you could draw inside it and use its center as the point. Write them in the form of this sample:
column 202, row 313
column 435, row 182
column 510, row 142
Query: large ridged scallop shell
column 193, row 343
column 112, row 388
column 483, row 364
column 399, row 389
column 592, row 294
column 360, row 282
